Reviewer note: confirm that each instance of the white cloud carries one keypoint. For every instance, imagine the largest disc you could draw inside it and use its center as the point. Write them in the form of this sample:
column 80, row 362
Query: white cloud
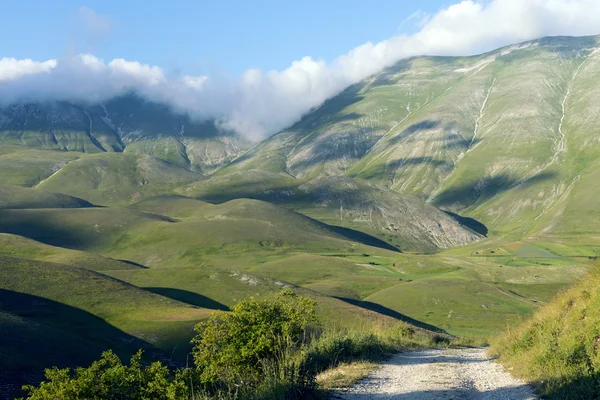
column 94, row 24
column 11, row 68
column 419, row 18
column 143, row 73
column 259, row 103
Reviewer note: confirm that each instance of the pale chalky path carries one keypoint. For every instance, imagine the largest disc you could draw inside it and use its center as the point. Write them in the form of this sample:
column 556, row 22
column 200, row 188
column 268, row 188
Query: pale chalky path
column 461, row 374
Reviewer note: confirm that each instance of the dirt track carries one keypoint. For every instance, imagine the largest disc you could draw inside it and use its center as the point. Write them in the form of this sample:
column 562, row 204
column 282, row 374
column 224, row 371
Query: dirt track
column 460, row 374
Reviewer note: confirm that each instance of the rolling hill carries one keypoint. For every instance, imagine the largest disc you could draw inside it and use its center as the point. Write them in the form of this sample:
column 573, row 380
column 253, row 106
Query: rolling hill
column 404, row 222
column 117, row 179
column 15, row 197
column 54, row 314
column 456, row 193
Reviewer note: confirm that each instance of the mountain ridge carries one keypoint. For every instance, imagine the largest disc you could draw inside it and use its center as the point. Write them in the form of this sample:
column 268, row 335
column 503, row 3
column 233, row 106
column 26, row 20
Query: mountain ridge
column 122, row 124
column 504, row 137
column 467, row 134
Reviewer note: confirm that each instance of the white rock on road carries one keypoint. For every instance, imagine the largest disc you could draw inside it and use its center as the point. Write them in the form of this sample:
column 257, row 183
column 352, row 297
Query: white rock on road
column 457, row 374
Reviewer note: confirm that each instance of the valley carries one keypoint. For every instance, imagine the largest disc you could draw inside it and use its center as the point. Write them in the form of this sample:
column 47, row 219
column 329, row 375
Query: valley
column 457, row 194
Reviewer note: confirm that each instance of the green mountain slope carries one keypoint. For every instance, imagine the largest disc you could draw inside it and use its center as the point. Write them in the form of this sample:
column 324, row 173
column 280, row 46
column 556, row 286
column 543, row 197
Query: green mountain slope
column 126, row 123
column 505, row 137
column 117, row 179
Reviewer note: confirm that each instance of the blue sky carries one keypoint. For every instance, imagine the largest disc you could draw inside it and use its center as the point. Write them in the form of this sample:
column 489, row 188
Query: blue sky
column 204, row 36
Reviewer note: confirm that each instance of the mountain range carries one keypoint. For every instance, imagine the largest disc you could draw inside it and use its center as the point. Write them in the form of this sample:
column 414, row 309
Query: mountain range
column 456, row 193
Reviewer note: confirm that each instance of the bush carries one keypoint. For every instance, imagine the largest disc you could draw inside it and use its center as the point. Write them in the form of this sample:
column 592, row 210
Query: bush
column 332, row 349
column 108, row 378
column 233, row 348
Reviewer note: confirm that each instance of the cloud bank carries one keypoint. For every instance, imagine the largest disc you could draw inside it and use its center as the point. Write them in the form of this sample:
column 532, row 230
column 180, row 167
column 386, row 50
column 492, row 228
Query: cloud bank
column 260, row 103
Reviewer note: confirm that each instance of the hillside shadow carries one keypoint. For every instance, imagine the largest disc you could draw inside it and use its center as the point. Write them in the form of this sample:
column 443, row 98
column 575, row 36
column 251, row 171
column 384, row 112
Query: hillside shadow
column 456, row 141
column 363, row 238
column 582, row 387
column 337, row 146
column 191, row 298
column 414, row 129
column 481, row 190
column 388, row 77
column 389, row 168
column 35, row 227
column 38, row 333
column 378, row 308
column 330, row 111
column 339, row 118
column 133, row 264
column 406, row 162
column 470, row 223
column 49, row 228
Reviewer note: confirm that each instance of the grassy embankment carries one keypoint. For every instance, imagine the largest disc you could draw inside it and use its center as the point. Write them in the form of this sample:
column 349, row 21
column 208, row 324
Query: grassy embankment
column 558, row 348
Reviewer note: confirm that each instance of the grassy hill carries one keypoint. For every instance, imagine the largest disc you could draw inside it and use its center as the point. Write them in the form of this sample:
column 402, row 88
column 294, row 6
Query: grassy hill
column 236, row 229
column 558, row 347
column 135, row 311
column 77, row 228
column 54, row 314
column 19, row 246
column 233, row 227
column 116, row 179
column 26, row 167
column 403, row 222
column 184, row 250
column 173, row 206
column 15, row 197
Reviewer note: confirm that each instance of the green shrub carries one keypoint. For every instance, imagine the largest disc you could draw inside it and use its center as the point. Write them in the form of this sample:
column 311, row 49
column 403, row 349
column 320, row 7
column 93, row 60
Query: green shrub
column 108, row 378
column 401, row 331
column 334, row 348
column 233, row 347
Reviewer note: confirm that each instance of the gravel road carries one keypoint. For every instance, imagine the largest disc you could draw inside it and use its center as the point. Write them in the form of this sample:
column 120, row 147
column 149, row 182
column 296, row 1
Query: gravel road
column 457, row 374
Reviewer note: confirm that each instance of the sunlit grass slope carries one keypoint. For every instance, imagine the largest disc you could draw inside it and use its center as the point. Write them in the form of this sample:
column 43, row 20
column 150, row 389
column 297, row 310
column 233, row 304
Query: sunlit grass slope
column 557, row 348
column 117, row 179
column 15, row 197
column 54, row 314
